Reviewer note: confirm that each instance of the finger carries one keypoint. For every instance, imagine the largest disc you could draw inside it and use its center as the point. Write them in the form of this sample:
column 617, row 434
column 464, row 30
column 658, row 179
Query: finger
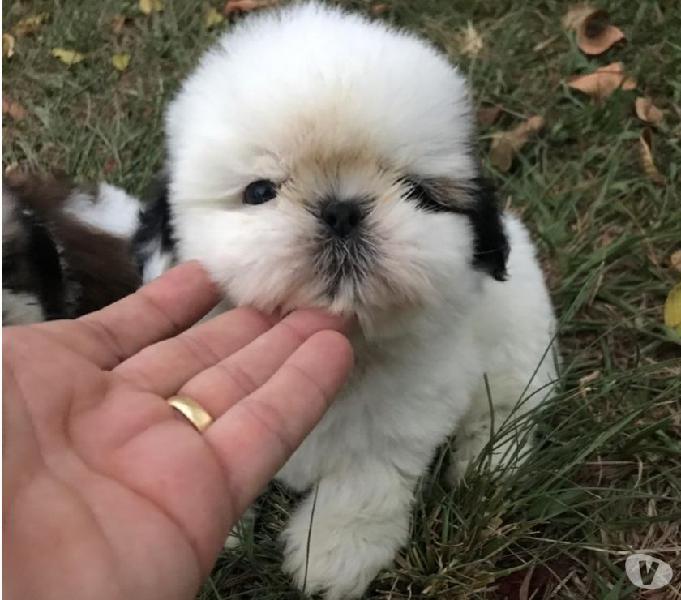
column 218, row 388
column 165, row 366
column 157, row 311
column 257, row 435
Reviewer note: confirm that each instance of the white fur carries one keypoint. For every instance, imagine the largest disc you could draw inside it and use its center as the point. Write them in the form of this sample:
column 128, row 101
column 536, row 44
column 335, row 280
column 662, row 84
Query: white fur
column 21, row 308
column 156, row 264
column 111, row 210
column 328, row 104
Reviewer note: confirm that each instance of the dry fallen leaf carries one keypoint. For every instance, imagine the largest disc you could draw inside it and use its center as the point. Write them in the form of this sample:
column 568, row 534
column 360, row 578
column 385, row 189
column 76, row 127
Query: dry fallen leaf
column 13, row 109
column 379, row 9
column 470, row 41
column 233, row 6
column 12, row 170
column 672, row 309
column 595, row 34
column 576, row 15
column 487, row 115
column 647, row 111
column 29, row 24
column 110, row 166
column 647, row 161
column 8, row 45
column 675, row 261
column 117, row 23
column 506, row 144
column 149, row 6
column 120, row 61
column 584, row 382
column 603, row 81
column 212, row 18
column 68, row 57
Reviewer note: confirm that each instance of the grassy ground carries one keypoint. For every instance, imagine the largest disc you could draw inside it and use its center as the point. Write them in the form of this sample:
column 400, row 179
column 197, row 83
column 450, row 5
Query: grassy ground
column 607, row 478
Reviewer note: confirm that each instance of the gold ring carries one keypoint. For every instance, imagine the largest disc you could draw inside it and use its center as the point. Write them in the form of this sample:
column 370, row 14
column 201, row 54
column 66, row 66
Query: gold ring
column 192, row 411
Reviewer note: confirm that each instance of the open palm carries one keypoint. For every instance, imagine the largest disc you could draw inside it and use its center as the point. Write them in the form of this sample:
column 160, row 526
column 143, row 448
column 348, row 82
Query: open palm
column 107, row 492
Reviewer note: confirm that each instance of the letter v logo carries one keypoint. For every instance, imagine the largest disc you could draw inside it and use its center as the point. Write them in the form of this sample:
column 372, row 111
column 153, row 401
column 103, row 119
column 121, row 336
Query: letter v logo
column 647, row 572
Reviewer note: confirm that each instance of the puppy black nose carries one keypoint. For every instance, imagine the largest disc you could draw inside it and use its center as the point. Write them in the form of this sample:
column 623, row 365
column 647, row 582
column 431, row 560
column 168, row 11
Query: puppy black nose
column 342, row 217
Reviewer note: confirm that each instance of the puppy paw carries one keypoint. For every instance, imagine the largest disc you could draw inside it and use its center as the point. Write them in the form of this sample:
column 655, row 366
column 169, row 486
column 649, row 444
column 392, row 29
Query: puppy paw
column 457, row 470
column 506, row 454
column 342, row 559
column 467, row 451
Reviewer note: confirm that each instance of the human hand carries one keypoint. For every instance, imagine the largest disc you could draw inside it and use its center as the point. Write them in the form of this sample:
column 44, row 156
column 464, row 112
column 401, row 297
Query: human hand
column 108, row 493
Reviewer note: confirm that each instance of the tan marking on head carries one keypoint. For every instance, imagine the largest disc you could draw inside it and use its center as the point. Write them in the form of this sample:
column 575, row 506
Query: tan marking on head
column 351, row 172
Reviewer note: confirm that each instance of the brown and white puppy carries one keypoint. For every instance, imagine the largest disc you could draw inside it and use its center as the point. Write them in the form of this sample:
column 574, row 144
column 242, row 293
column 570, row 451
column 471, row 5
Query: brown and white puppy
column 65, row 248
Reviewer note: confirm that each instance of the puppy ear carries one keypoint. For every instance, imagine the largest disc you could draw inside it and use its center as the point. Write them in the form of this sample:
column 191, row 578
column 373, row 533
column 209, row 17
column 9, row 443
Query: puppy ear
column 491, row 243
column 474, row 198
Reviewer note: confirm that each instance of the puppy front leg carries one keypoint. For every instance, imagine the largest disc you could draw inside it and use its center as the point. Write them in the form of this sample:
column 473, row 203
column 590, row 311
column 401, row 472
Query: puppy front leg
column 473, row 435
column 475, row 431
column 355, row 527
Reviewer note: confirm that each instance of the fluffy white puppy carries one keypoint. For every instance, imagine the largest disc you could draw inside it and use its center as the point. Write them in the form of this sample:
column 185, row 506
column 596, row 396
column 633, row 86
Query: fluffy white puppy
column 316, row 158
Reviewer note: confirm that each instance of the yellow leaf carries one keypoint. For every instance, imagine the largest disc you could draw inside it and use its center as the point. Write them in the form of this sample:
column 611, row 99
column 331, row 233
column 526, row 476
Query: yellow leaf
column 647, row 111
column 7, row 45
column 647, row 161
column 149, row 6
column 603, row 82
column 68, row 57
column 212, row 18
column 672, row 309
column 120, row 61
column 506, row 144
column 29, row 24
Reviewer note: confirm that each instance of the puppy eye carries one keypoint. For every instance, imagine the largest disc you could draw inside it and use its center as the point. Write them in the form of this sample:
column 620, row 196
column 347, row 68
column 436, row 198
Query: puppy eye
column 259, row 192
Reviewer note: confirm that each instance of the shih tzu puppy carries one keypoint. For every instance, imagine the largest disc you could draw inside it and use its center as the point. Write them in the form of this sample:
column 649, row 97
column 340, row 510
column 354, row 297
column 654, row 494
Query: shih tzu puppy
column 317, row 159
column 66, row 249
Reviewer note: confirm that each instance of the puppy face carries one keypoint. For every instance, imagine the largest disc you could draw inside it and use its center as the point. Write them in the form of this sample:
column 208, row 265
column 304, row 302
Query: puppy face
column 317, row 159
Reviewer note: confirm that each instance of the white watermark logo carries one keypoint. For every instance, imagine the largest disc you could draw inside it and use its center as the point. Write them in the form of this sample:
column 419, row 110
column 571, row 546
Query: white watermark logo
column 647, row 572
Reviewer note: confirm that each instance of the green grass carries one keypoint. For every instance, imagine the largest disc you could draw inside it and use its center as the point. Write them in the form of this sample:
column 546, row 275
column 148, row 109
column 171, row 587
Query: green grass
column 605, row 479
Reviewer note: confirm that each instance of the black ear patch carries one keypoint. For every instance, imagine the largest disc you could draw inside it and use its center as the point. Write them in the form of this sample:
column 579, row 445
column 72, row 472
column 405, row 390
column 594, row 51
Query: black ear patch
column 491, row 244
column 474, row 198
